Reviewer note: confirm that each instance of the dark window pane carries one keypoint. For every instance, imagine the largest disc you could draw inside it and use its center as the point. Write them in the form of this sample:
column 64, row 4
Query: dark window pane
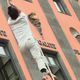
column 55, row 66
column 7, row 70
column 61, row 7
column 28, row 0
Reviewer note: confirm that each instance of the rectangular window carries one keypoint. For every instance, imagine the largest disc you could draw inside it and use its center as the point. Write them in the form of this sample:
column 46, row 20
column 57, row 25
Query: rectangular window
column 7, row 69
column 55, row 66
column 61, row 7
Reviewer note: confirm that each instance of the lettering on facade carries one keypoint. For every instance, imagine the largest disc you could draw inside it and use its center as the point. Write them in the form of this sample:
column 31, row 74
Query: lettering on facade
column 3, row 33
column 77, row 51
column 46, row 44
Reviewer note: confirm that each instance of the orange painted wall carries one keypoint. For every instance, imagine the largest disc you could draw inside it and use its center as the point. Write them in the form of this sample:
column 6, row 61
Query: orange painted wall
column 4, row 26
column 48, row 33
column 27, row 8
column 66, row 22
column 79, row 1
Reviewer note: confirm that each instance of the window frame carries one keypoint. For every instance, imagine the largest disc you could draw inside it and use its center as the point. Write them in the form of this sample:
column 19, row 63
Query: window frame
column 5, row 45
column 61, row 7
column 74, row 32
column 59, row 68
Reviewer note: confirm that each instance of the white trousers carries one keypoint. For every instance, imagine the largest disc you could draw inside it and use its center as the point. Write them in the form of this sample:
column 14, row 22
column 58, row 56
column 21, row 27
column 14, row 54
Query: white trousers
column 32, row 45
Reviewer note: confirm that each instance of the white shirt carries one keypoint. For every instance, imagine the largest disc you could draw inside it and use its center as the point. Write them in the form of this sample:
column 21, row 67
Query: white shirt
column 21, row 28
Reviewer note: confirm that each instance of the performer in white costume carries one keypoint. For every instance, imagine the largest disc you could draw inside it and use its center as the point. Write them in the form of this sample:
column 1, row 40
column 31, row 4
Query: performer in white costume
column 19, row 25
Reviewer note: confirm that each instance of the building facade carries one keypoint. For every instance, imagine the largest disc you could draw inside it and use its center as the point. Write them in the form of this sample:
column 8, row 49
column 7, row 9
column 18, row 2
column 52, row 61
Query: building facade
column 60, row 42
